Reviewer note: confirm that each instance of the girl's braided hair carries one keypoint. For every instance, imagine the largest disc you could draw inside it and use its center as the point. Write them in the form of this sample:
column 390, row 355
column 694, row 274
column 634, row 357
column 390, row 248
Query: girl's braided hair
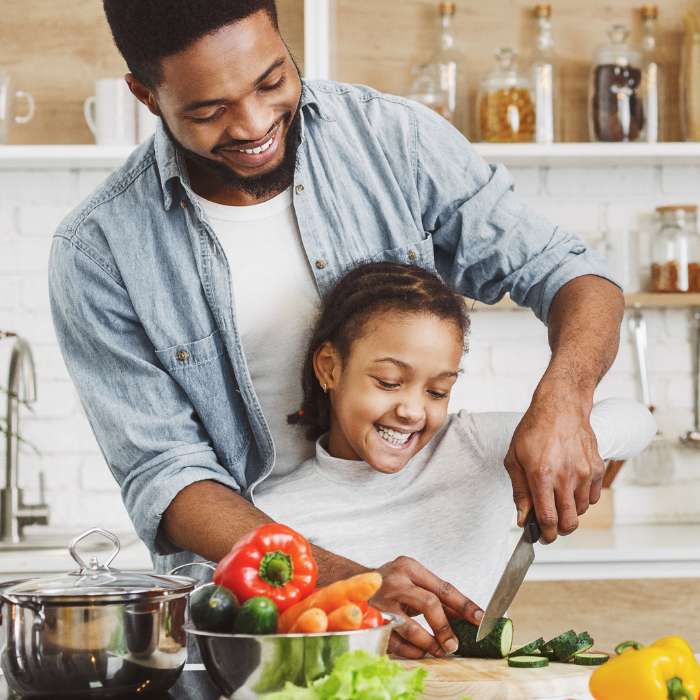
column 367, row 290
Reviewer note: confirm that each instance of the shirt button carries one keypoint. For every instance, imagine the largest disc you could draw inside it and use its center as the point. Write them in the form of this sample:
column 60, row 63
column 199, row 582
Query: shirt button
column 299, row 189
column 320, row 264
column 182, row 355
column 412, row 255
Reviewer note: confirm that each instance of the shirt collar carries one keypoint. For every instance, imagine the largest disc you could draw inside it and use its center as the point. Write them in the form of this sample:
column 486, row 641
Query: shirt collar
column 171, row 161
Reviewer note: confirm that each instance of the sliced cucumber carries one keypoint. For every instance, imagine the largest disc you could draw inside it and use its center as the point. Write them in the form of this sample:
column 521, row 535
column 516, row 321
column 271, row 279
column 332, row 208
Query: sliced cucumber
column 528, row 661
column 564, row 646
column 496, row 645
column 531, row 649
column 546, row 650
column 589, row 658
column 583, row 643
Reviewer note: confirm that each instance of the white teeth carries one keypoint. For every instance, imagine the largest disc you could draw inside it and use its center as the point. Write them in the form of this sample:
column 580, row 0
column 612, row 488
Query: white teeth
column 393, row 436
column 259, row 149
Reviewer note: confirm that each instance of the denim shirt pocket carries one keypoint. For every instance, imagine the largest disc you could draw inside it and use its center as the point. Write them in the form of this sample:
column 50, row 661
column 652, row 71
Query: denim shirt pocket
column 201, row 367
column 417, row 253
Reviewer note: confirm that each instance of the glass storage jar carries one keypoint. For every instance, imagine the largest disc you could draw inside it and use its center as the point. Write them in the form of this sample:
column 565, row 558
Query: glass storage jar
column 616, row 111
column 675, row 253
column 426, row 88
column 506, row 106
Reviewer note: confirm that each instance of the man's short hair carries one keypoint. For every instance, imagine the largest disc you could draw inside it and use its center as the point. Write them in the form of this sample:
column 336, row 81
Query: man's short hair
column 146, row 31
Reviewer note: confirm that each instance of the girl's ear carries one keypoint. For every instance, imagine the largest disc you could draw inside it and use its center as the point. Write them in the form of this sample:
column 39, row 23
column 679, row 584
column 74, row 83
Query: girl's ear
column 327, row 365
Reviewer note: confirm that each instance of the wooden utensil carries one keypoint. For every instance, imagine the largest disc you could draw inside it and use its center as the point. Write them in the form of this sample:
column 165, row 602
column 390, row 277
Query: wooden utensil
column 493, row 679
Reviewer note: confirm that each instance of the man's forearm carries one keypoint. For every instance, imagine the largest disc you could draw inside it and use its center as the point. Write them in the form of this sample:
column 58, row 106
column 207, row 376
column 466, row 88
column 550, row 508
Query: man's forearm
column 584, row 333
column 207, row 518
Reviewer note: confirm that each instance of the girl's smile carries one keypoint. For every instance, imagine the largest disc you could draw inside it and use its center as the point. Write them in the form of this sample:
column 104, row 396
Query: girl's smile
column 389, row 397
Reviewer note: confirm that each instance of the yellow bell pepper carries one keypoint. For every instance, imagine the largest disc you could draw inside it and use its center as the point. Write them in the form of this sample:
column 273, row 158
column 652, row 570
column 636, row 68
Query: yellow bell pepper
column 665, row 670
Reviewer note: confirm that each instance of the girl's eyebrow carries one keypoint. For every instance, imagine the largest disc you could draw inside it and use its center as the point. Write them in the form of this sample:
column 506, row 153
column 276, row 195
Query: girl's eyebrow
column 406, row 366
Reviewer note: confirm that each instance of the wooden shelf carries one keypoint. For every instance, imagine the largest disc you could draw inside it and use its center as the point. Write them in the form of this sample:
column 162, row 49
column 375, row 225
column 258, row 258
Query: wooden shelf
column 42, row 157
column 639, row 300
column 591, row 154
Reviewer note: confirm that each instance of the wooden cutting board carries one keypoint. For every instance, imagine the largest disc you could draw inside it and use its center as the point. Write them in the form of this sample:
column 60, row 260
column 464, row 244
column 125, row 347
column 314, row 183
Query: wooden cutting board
column 493, row 679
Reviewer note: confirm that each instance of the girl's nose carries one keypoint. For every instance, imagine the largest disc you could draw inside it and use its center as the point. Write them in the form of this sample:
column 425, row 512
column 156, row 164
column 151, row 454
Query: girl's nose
column 410, row 411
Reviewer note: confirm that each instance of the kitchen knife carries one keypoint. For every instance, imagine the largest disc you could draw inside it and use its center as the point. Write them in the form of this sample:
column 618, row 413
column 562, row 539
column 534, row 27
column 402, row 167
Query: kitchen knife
column 513, row 576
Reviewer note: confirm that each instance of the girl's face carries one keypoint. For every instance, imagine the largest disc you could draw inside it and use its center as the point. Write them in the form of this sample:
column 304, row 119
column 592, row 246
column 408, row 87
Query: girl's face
column 389, row 398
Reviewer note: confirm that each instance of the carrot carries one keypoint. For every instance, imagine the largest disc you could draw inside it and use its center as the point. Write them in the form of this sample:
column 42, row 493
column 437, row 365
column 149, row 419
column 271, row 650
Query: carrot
column 346, row 617
column 311, row 620
column 355, row 589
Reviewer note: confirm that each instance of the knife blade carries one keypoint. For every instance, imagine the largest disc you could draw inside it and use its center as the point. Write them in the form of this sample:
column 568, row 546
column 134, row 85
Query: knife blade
column 512, row 577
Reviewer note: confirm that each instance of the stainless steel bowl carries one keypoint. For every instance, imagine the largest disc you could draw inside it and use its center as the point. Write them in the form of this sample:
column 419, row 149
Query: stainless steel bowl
column 94, row 633
column 245, row 666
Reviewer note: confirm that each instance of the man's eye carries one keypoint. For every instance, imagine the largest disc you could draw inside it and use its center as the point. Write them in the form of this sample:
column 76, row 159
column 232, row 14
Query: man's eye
column 274, row 86
column 211, row 118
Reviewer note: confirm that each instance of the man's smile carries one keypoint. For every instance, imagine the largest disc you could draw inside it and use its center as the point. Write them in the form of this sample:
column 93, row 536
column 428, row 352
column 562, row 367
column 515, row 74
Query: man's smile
column 256, row 153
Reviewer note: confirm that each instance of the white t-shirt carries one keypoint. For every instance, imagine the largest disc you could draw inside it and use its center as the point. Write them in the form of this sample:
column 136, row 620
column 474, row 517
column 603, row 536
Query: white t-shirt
column 276, row 302
column 451, row 507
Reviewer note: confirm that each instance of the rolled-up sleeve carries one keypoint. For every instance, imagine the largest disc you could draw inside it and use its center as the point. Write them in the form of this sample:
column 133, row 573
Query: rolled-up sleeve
column 487, row 242
column 145, row 425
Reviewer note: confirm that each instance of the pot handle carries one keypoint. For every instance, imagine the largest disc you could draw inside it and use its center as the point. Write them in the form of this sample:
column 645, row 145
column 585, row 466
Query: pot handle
column 94, row 564
column 37, row 608
column 192, row 563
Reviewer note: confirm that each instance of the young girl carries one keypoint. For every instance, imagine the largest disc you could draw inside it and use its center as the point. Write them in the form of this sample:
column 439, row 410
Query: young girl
column 394, row 474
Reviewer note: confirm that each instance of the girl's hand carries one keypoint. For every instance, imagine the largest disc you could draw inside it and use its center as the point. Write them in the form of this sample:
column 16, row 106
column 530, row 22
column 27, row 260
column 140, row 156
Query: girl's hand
column 408, row 588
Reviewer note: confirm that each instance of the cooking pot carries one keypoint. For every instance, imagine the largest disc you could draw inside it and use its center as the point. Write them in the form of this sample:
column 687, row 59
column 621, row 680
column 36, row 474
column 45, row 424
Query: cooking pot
column 97, row 632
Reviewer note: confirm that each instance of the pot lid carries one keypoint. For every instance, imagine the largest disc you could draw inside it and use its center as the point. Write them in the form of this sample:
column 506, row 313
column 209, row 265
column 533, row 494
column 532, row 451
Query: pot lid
column 96, row 583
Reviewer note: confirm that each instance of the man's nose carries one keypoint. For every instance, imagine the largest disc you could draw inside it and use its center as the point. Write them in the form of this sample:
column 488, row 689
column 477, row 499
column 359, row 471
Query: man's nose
column 250, row 122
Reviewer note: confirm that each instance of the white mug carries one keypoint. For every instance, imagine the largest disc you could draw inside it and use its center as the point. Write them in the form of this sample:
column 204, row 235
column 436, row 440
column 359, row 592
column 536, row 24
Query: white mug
column 146, row 122
column 111, row 113
column 7, row 107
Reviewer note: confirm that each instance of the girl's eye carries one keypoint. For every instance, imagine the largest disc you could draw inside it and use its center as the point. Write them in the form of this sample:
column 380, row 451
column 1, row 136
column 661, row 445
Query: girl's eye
column 386, row 385
column 202, row 120
column 439, row 394
column 275, row 86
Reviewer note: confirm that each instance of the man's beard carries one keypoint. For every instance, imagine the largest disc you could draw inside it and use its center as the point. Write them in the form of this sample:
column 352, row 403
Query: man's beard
column 259, row 186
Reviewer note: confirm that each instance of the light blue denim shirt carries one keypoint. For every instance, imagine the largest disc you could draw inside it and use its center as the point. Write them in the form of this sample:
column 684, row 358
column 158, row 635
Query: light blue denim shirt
column 141, row 290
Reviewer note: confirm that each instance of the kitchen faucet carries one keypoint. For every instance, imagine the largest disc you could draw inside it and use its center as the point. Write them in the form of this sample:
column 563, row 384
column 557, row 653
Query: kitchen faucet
column 15, row 514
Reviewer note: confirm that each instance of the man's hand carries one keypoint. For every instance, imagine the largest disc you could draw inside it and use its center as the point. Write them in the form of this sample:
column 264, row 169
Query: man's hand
column 408, row 588
column 553, row 461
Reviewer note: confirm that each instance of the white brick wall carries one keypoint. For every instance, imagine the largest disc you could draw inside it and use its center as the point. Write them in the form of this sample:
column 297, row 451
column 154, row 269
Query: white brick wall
column 509, row 349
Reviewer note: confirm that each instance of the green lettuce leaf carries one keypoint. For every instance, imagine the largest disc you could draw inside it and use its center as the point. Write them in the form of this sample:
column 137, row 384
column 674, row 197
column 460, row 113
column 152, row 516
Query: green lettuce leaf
column 358, row 675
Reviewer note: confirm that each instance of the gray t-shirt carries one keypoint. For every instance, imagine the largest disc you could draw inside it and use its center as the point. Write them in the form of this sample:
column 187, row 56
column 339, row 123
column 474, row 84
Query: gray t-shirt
column 451, row 507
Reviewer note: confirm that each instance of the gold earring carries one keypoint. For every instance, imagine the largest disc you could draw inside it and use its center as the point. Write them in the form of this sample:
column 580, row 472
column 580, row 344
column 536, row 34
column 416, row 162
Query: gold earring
column 324, row 386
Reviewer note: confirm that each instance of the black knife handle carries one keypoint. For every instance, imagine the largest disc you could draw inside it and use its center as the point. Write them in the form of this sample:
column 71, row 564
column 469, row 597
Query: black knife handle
column 531, row 529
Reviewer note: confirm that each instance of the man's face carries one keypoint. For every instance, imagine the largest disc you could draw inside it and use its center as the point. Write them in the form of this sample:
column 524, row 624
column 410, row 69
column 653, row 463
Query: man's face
column 231, row 101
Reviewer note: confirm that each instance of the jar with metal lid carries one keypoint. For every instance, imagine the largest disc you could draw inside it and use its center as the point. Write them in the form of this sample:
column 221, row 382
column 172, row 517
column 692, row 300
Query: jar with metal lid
column 506, row 105
column 616, row 108
column 94, row 632
column 675, row 250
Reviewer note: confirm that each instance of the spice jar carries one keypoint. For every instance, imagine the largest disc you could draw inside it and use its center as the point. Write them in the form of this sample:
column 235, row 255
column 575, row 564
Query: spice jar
column 616, row 111
column 675, row 254
column 506, row 106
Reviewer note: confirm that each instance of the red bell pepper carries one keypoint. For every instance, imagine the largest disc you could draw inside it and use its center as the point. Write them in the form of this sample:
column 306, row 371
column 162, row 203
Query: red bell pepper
column 272, row 561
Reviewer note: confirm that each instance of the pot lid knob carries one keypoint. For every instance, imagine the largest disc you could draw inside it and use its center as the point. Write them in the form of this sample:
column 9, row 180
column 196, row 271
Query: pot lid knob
column 94, row 564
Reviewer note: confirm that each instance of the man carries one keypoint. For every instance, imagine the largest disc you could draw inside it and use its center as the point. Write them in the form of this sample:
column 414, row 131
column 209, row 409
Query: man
column 183, row 289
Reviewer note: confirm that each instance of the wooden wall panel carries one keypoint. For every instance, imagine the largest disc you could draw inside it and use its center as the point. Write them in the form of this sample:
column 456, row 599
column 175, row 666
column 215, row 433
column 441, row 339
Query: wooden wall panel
column 612, row 611
column 378, row 42
column 56, row 50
